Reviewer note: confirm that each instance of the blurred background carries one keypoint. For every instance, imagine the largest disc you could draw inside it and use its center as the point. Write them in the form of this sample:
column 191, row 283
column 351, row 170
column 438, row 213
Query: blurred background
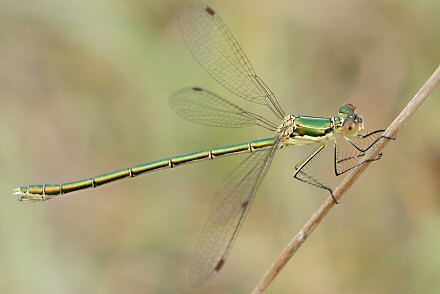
column 84, row 91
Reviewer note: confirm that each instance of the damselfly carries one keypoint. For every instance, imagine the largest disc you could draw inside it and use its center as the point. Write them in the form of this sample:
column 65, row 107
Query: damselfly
column 214, row 47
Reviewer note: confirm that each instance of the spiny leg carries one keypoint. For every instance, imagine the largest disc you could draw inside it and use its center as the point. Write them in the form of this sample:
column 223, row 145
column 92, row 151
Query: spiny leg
column 363, row 150
column 364, row 144
column 301, row 175
column 340, row 161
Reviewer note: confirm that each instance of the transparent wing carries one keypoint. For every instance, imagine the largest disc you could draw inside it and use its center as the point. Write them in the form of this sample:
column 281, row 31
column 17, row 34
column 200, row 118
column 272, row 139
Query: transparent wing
column 232, row 203
column 201, row 106
column 216, row 49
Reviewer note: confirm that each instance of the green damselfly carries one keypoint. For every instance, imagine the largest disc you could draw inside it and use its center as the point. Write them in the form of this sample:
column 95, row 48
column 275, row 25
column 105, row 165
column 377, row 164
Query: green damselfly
column 215, row 48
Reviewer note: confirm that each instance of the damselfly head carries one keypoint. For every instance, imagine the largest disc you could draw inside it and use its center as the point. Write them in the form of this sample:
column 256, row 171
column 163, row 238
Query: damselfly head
column 352, row 122
column 346, row 110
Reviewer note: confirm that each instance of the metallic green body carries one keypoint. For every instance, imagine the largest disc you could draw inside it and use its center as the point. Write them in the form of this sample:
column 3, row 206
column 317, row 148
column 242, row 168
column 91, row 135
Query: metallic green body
column 48, row 191
column 215, row 48
column 305, row 130
column 313, row 126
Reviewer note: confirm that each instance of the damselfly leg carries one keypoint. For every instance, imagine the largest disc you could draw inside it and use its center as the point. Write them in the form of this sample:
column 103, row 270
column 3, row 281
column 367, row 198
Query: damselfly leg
column 369, row 140
column 342, row 163
column 302, row 175
column 346, row 161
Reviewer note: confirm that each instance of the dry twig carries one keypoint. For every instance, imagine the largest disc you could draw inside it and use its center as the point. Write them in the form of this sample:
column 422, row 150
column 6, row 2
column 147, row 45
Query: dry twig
column 318, row 216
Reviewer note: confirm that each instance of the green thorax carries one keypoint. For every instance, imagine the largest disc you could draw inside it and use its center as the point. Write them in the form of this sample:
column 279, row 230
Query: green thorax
column 312, row 126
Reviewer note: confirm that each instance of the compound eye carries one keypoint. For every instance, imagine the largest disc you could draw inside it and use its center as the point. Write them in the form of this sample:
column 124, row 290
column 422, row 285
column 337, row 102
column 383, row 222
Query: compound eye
column 350, row 129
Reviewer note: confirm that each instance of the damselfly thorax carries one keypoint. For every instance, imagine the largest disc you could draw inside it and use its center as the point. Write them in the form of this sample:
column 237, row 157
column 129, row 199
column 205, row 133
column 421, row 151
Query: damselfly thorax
column 305, row 130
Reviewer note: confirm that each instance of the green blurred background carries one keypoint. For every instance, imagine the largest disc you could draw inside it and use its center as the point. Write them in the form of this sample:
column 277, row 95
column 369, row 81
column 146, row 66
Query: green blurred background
column 84, row 89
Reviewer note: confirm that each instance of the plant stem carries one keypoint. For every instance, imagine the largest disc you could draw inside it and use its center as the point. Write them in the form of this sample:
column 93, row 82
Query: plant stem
column 338, row 193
